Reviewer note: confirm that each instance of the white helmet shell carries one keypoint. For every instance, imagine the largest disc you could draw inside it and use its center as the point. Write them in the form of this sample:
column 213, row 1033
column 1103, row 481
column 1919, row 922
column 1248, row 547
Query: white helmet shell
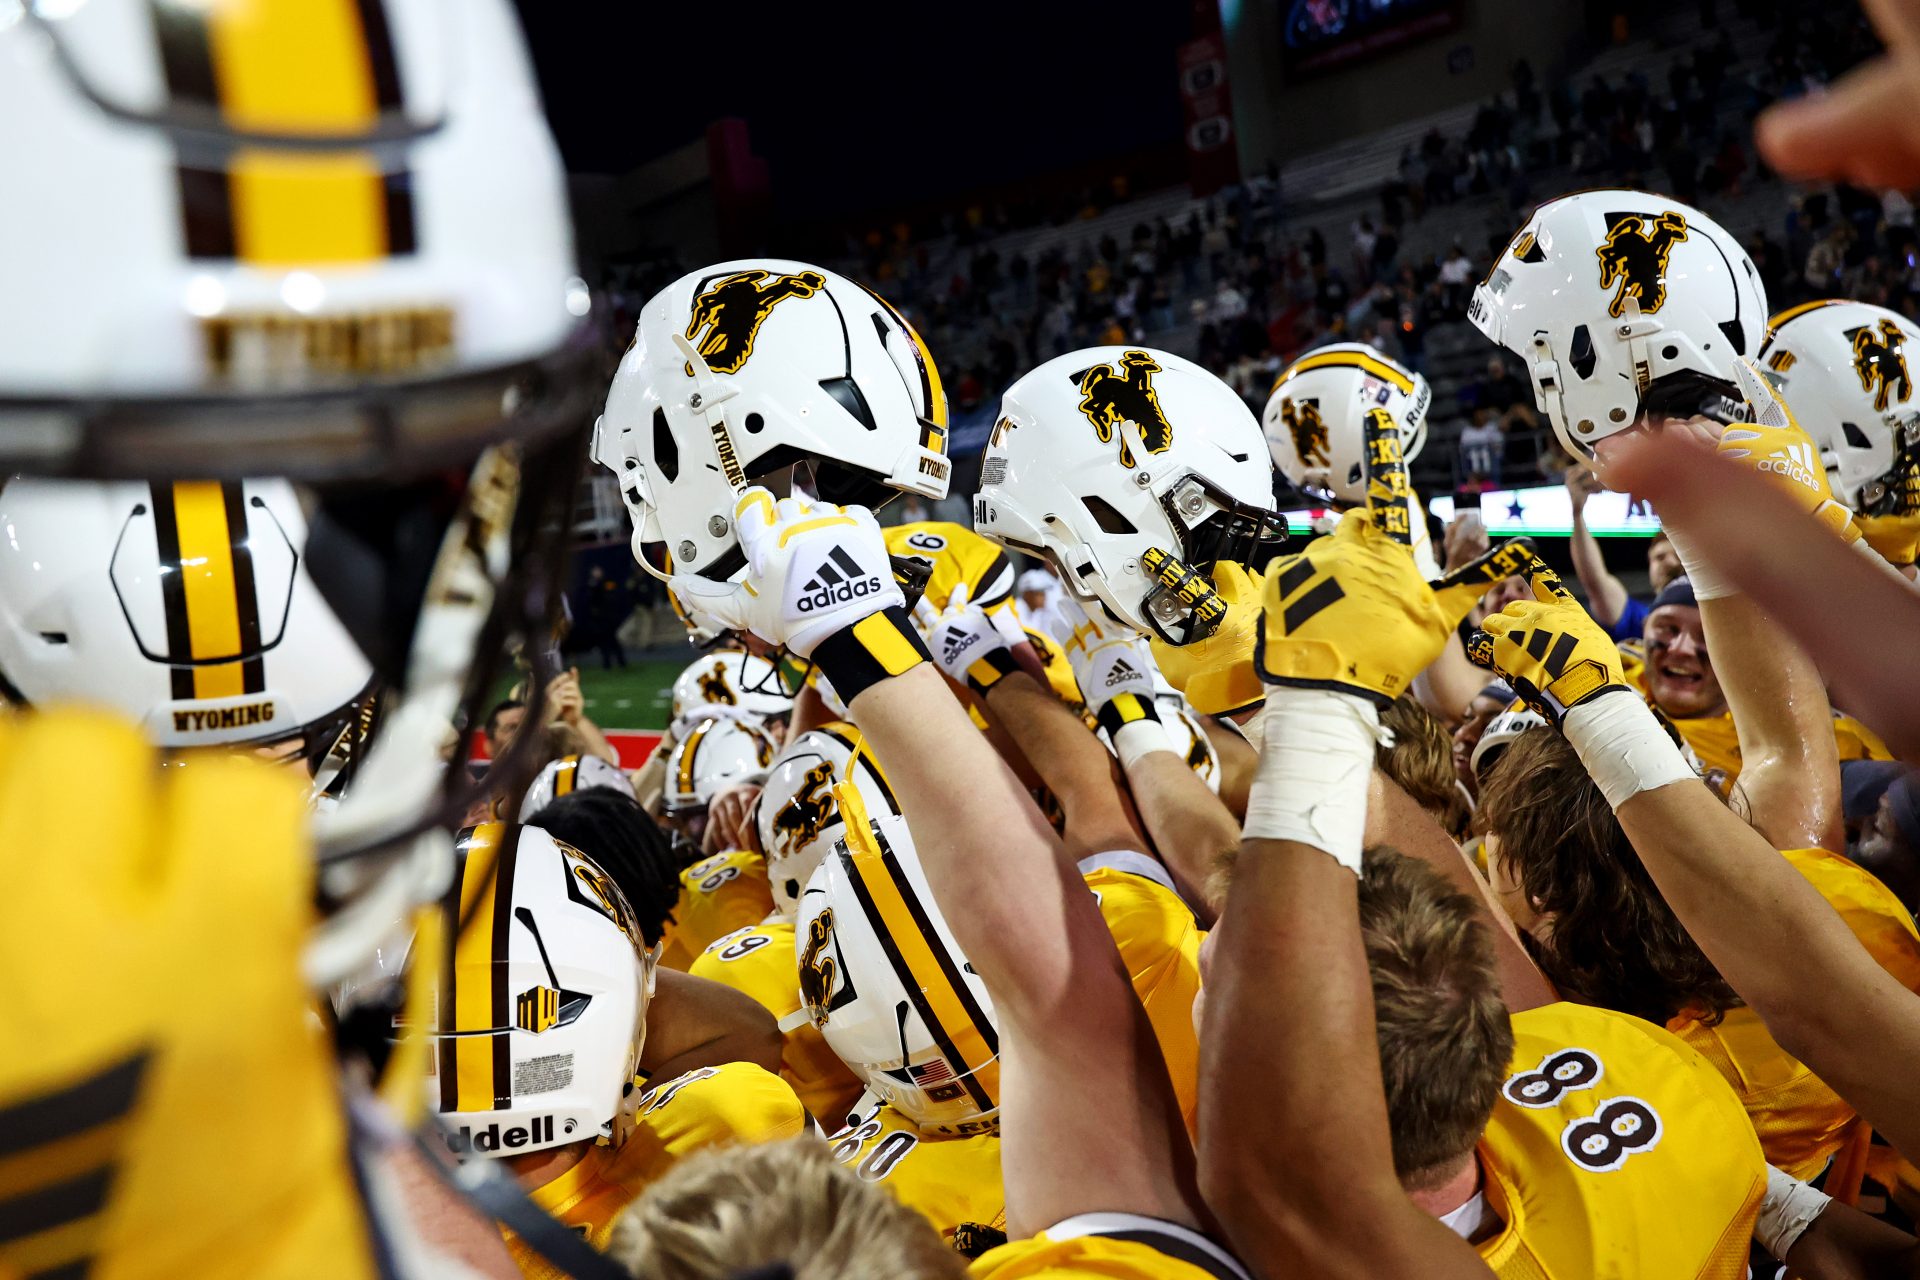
column 1842, row 368
column 569, row 774
column 799, row 817
column 550, row 959
column 740, row 369
column 1316, row 417
column 1500, row 733
column 729, row 680
column 185, row 606
column 715, row 754
column 1620, row 303
column 897, row 1002
column 1104, row 454
column 149, row 258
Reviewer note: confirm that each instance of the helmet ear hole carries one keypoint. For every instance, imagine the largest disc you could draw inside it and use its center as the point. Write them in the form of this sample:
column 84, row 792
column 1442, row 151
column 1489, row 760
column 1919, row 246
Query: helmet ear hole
column 1104, row 515
column 1736, row 335
column 666, row 450
column 1855, row 436
column 1582, row 357
column 846, row 393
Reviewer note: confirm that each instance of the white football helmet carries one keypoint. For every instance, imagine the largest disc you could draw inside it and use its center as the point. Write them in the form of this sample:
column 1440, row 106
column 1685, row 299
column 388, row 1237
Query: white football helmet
column 884, row 981
column 541, row 997
column 742, row 369
column 1131, row 471
column 799, row 819
column 1842, row 368
column 1622, row 304
column 186, row 606
column 727, row 681
column 716, row 753
column 567, row 775
column 1316, row 417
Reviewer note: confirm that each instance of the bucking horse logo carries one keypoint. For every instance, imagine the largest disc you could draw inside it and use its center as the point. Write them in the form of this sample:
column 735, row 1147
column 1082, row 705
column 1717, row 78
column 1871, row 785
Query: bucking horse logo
column 733, row 308
column 1112, row 396
column 817, row 970
column 714, row 686
column 1634, row 258
column 1302, row 418
column 801, row 819
column 1880, row 364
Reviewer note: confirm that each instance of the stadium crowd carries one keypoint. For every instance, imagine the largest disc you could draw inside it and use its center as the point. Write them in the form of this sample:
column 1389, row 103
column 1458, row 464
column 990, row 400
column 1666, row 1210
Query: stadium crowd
column 1207, row 901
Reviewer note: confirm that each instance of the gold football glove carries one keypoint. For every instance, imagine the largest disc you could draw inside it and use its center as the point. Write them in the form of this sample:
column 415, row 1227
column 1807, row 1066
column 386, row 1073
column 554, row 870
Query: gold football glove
column 1776, row 446
column 1352, row 612
column 1549, row 648
column 1217, row 673
column 1895, row 537
column 169, row 1105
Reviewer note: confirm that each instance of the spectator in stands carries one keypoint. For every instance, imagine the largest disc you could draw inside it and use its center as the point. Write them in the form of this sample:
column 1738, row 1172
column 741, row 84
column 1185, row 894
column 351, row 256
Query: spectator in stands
column 1457, row 278
column 1622, row 614
column 1482, row 447
column 502, row 723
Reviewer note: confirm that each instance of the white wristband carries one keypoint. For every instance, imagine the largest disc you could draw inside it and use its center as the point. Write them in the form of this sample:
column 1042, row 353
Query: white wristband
column 1708, row 584
column 1787, row 1211
column 1140, row 738
column 1315, row 764
column 1623, row 747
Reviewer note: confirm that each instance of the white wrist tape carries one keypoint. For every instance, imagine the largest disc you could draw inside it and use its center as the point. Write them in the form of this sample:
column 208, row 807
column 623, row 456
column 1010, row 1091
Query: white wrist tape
column 1708, row 583
column 1315, row 763
column 1788, row 1210
column 1623, row 747
column 1140, row 738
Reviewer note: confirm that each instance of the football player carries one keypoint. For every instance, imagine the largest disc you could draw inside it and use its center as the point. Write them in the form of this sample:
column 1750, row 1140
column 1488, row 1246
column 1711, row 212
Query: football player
column 1315, row 976
column 1842, row 367
column 1031, row 931
column 730, row 682
column 543, row 988
column 279, row 294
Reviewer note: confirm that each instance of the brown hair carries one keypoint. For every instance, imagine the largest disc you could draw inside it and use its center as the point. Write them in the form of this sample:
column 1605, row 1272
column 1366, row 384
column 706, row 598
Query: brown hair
column 1613, row 941
column 721, row 1212
column 1446, row 1042
column 1420, row 761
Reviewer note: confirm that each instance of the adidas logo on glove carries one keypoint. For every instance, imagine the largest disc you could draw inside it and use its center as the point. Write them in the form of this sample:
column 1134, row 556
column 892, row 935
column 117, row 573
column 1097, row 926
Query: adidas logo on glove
column 1121, row 672
column 839, row 580
column 954, row 644
column 1796, row 462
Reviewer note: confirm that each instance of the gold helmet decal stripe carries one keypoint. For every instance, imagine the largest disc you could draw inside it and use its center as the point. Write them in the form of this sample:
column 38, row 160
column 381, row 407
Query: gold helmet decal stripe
column 687, row 756
column 933, row 430
column 1352, row 360
column 207, row 590
column 302, row 67
column 475, row 1069
column 565, row 777
column 926, row 969
column 1794, row 313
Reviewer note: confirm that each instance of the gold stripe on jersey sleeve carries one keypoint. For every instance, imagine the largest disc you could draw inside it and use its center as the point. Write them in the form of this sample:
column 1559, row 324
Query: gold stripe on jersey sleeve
column 207, row 581
column 1354, row 360
column 299, row 66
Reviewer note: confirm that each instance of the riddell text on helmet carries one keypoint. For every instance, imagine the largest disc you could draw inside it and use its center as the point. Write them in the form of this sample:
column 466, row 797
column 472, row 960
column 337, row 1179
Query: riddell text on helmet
column 537, row 1130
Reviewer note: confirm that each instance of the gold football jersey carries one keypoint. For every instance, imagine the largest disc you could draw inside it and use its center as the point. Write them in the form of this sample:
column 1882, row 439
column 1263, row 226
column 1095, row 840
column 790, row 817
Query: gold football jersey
column 709, row 1107
column 717, row 896
column 169, row 1104
column 958, row 555
column 1160, row 945
column 948, row 1181
column 1717, row 746
column 1616, row 1152
column 1802, row 1122
column 1089, row 1258
column 759, row 961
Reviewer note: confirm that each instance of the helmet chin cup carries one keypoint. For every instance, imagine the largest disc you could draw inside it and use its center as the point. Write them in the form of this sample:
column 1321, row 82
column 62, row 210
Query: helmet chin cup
column 1180, row 606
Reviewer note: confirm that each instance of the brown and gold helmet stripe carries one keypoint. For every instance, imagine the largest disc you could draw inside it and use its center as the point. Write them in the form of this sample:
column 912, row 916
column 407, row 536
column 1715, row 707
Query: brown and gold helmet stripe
column 475, row 1069
column 306, row 67
column 207, row 589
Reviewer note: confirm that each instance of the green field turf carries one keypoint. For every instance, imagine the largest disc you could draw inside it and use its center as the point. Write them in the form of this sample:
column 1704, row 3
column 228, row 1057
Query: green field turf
column 637, row 696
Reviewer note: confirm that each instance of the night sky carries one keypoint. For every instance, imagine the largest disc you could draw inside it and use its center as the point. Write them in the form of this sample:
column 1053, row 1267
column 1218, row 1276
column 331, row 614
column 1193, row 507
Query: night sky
column 863, row 106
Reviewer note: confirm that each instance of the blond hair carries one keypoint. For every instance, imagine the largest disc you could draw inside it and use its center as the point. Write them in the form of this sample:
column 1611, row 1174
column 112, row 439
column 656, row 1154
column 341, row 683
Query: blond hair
column 720, row 1212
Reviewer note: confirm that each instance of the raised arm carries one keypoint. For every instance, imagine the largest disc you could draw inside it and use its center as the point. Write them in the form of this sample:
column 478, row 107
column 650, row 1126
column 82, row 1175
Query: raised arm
column 1083, row 1086
column 1606, row 594
column 1824, row 998
column 1296, row 1152
column 1789, row 761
